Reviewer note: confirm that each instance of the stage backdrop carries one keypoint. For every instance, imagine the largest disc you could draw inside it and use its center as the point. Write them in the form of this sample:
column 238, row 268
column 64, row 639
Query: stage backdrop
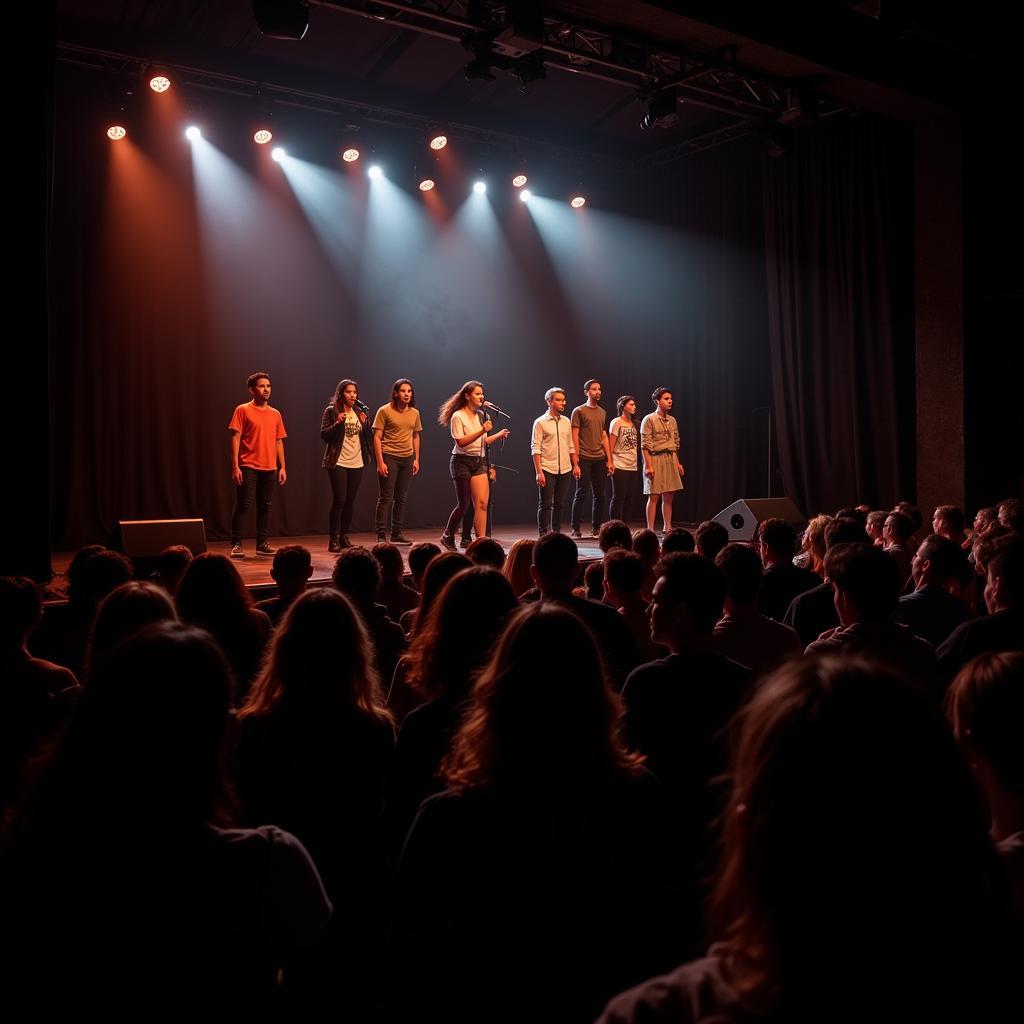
column 177, row 270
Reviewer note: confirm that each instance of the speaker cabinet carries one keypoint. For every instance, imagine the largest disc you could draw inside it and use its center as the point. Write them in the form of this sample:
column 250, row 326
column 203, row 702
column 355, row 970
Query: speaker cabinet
column 146, row 538
column 742, row 517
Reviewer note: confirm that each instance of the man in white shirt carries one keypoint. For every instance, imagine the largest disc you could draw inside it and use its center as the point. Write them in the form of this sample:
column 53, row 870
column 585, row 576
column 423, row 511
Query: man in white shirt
column 554, row 459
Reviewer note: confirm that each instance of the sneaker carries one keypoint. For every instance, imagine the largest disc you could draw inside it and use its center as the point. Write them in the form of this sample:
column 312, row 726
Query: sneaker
column 576, row 535
column 345, row 542
column 447, row 542
column 265, row 549
column 335, row 545
column 236, row 551
column 465, row 542
column 594, row 534
column 400, row 538
column 382, row 537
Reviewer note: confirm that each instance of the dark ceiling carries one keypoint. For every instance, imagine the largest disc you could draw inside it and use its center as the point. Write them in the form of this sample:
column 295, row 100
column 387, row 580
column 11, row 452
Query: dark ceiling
column 412, row 61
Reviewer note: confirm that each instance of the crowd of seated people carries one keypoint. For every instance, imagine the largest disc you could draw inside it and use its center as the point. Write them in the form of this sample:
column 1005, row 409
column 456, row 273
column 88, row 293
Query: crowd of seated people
column 779, row 779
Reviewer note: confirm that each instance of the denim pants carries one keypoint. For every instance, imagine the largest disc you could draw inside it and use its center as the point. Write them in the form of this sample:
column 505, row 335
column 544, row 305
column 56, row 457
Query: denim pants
column 551, row 500
column 393, row 489
column 593, row 474
column 261, row 483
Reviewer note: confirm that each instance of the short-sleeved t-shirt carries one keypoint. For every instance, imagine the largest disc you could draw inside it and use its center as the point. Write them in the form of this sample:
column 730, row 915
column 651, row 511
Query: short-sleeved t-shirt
column 396, row 429
column 464, row 422
column 624, row 443
column 351, row 454
column 591, row 423
column 260, row 428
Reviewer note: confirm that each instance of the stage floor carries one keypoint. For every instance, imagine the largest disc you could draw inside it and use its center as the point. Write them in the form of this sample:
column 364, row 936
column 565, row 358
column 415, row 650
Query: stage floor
column 255, row 569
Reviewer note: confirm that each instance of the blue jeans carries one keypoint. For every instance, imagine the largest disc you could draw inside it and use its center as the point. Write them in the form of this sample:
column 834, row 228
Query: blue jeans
column 593, row 475
column 625, row 489
column 393, row 489
column 261, row 483
column 551, row 498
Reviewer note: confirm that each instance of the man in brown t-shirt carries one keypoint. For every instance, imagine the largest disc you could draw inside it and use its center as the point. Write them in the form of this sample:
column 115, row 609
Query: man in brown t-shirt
column 590, row 440
column 396, row 445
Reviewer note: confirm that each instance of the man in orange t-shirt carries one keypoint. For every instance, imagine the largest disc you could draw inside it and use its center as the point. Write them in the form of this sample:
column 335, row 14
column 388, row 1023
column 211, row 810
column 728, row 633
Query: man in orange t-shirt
column 257, row 456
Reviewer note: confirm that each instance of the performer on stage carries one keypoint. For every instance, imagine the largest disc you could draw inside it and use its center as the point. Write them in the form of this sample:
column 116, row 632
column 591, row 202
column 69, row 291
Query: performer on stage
column 396, row 446
column 345, row 429
column 257, row 457
column 623, row 441
column 554, row 460
column 595, row 460
column 663, row 472
column 470, row 428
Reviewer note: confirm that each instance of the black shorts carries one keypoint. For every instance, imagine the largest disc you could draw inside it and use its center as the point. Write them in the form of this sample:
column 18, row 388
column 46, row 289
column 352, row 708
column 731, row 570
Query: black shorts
column 464, row 467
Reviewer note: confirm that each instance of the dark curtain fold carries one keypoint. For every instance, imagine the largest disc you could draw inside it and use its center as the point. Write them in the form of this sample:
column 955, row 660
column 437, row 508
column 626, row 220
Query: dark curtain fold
column 837, row 230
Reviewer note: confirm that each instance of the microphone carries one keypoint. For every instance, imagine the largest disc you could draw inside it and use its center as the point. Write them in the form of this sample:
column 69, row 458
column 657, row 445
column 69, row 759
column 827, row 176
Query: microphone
column 494, row 408
column 361, row 407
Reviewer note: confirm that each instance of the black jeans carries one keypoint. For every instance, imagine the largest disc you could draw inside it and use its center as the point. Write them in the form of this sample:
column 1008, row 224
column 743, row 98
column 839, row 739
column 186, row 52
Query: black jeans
column 593, row 474
column 625, row 488
column 463, row 469
column 344, row 488
column 551, row 498
column 393, row 489
column 261, row 483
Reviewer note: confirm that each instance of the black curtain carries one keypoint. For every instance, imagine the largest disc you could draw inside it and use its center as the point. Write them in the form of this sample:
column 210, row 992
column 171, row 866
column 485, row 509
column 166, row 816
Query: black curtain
column 838, row 244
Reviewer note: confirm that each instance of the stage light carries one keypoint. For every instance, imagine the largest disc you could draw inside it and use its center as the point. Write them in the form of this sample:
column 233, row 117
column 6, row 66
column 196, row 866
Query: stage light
column 375, row 172
column 662, row 109
column 437, row 138
column 524, row 196
column 426, row 184
column 479, row 187
column 159, row 82
column 116, row 132
column 519, row 181
column 350, row 155
column 281, row 19
column 577, row 202
column 192, row 133
column 278, row 153
column 263, row 136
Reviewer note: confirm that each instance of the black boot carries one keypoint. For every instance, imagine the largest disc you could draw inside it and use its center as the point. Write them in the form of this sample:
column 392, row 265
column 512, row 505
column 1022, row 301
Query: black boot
column 335, row 544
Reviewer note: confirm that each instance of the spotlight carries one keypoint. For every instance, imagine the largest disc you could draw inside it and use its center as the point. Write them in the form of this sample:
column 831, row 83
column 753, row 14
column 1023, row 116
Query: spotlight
column 662, row 109
column 519, row 181
column 426, row 184
column 479, row 187
column 437, row 138
column 281, row 19
column 350, row 155
column 529, row 69
column 375, row 172
column 577, row 202
column 278, row 153
column 192, row 133
column 524, row 196
column 116, row 132
column 159, row 81
column 263, row 136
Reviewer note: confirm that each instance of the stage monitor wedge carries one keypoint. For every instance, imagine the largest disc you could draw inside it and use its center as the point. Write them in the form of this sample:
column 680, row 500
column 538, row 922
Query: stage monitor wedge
column 742, row 516
column 146, row 538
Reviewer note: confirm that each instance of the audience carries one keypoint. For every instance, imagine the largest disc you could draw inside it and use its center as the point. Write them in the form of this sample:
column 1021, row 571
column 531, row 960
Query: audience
column 393, row 592
column 542, row 877
column 857, row 881
column 782, row 580
column 123, row 884
column 743, row 633
column 213, row 596
column 931, row 611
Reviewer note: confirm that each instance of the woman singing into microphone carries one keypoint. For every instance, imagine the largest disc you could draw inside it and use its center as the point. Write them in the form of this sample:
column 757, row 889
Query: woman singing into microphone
column 470, row 429
column 346, row 431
